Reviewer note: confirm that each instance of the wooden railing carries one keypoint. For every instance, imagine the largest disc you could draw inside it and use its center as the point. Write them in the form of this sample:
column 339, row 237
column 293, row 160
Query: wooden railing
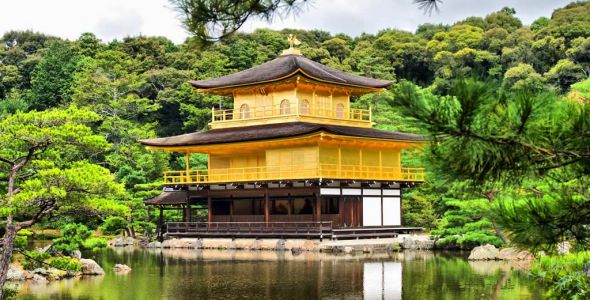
column 260, row 112
column 249, row 229
column 287, row 172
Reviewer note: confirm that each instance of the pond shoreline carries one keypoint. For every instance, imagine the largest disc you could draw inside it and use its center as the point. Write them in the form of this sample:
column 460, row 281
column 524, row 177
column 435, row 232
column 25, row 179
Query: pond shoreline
column 166, row 273
column 416, row 242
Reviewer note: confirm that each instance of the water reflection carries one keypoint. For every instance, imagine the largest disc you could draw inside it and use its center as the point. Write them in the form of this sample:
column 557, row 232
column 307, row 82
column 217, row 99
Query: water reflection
column 222, row 274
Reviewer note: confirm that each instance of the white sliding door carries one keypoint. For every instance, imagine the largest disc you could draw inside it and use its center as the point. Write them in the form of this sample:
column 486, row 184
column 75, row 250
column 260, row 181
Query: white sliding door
column 392, row 211
column 372, row 211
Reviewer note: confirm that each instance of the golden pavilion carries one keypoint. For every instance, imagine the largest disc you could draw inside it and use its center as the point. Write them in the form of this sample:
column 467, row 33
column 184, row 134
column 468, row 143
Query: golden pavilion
column 291, row 159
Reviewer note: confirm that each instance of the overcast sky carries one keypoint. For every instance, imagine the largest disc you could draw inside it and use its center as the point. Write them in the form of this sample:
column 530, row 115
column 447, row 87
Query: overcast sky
column 115, row 19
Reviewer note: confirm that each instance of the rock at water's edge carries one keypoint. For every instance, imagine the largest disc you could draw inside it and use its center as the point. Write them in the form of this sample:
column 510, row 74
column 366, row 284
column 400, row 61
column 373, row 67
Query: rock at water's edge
column 90, row 267
column 120, row 268
column 154, row 244
column 122, row 241
column 15, row 274
column 485, row 252
column 417, row 243
column 514, row 254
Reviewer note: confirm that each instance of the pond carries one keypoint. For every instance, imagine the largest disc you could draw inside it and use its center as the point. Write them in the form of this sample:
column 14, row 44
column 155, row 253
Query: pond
column 225, row 274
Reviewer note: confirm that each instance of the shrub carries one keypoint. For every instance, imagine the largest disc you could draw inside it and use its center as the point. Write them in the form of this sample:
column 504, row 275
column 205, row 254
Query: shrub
column 94, row 243
column 33, row 259
column 22, row 238
column 564, row 275
column 65, row 263
column 73, row 237
column 114, row 225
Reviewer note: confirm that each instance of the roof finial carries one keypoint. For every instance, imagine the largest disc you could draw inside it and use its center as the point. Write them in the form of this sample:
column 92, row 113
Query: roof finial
column 293, row 41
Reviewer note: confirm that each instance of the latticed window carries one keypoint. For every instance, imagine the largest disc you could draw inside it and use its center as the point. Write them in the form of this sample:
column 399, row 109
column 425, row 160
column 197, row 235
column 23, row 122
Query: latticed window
column 285, row 107
column 339, row 111
column 305, row 107
column 244, row 111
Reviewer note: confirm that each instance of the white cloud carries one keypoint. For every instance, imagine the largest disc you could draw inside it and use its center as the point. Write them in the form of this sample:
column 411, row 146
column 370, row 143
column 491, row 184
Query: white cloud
column 111, row 19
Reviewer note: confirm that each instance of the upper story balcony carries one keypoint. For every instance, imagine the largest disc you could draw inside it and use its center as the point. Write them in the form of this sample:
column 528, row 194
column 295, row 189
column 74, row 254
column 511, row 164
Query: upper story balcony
column 247, row 115
column 295, row 172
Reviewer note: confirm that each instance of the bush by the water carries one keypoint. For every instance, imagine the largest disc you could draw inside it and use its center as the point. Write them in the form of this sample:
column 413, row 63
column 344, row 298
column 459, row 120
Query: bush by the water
column 94, row 243
column 22, row 238
column 566, row 276
column 114, row 225
column 73, row 238
column 65, row 263
column 465, row 226
column 34, row 259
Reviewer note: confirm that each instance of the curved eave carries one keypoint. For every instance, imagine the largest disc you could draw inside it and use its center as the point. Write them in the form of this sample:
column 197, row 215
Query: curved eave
column 321, row 134
column 224, row 90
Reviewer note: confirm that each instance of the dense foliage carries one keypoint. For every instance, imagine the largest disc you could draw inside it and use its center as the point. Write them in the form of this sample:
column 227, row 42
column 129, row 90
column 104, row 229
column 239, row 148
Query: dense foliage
column 505, row 105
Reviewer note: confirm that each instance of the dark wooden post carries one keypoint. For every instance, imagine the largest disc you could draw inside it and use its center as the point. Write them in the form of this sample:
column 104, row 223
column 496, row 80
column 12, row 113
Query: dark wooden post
column 318, row 208
column 160, row 224
column 209, row 211
column 266, row 206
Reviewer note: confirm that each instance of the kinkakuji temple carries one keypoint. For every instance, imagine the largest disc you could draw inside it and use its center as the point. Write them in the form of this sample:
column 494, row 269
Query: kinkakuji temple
column 291, row 159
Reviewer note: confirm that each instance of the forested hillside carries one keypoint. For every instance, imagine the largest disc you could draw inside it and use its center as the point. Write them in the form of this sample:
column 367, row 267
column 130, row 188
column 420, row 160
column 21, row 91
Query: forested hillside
column 505, row 104
column 138, row 86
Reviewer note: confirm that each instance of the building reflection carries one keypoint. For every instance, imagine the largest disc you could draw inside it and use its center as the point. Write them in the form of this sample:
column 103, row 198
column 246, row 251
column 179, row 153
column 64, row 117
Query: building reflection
column 382, row 280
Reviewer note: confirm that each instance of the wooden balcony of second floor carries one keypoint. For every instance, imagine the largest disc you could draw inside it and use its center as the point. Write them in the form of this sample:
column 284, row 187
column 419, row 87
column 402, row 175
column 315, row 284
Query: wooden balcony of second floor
column 294, row 172
column 290, row 112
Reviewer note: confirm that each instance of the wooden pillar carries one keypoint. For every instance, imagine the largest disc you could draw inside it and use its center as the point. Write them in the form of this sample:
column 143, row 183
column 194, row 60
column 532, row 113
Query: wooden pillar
column 189, row 213
column 187, row 162
column 341, row 210
column 266, row 206
column 183, row 208
column 160, row 224
column 209, row 210
column 318, row 208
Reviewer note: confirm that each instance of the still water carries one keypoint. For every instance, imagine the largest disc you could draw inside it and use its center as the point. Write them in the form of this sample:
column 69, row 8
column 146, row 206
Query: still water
column 222, row 274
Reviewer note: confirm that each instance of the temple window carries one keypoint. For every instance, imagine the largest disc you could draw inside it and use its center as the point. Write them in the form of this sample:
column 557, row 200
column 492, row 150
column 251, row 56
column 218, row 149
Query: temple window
column 285, row 107
column 305, row 107
column 279, row 206
column 244, row 111
column 329, row 205
column 340, row 111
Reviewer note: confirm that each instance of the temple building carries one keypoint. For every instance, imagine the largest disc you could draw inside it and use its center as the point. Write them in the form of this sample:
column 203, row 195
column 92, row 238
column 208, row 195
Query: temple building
column 292, row 157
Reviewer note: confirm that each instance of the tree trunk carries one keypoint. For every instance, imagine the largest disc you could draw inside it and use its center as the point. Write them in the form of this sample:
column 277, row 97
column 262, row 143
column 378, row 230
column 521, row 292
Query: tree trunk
column 7, row 254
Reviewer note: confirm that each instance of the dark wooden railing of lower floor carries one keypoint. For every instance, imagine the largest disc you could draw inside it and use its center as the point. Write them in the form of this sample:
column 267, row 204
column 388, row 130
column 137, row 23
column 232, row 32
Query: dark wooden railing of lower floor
column 248, row 229
column 309, row 230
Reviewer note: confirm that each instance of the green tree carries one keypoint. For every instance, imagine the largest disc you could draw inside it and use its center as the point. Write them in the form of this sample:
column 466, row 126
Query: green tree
column 52, row 78
column 523, row 77
column 44, row 171
column 564, row 74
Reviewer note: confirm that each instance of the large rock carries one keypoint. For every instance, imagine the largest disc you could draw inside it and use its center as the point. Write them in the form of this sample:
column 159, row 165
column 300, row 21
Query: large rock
column 122, row 241
column 417, row 243
column 38, row 279
column 154, row 244
column 51, row 273
column 120, row 268
column 16, row 274
column 514, row 254
column 179, row 243
column 90, row 267
column 485, row 252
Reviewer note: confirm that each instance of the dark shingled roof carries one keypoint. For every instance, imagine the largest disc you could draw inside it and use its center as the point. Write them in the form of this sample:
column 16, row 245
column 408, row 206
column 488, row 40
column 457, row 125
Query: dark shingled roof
column 274, row 131
column 168, row 198
column 285, row 66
